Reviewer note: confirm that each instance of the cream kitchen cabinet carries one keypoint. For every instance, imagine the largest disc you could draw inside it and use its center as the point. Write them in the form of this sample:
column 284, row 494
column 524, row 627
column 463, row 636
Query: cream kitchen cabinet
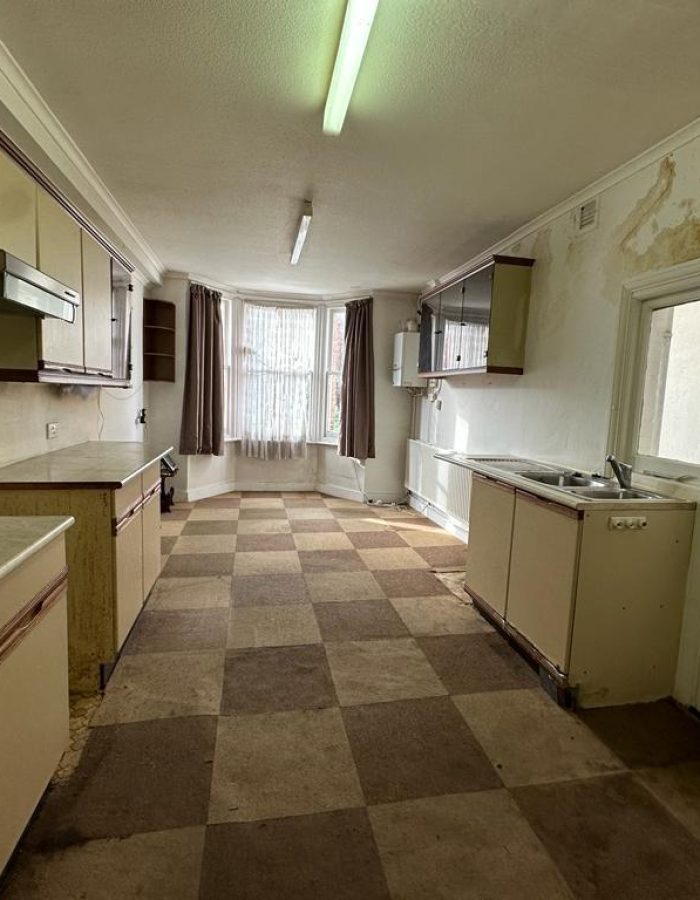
column 597, row 605
column 59, row 255
column 492, row 506
column 128, row 572
column 38, row 229
column 18, row 197
column 113, row 549
column 151, row 527
column 97, row 306
column 33, row 676
column 542, row 578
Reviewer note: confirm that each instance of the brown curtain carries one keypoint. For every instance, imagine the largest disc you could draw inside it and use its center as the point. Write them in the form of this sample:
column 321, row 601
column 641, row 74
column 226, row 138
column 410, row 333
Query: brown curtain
column 357, row 390
column 202, row 429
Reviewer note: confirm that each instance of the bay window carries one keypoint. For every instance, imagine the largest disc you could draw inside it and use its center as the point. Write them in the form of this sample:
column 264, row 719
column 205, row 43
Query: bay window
column 283, row 367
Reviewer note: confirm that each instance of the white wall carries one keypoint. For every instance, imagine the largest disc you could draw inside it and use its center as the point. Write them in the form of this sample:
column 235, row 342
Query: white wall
column 559, row 410
column 384, row 475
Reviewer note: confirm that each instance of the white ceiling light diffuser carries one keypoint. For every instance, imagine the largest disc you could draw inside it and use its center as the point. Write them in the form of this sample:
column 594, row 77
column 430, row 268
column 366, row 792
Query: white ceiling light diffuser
column 304, row 223
column 359, row 16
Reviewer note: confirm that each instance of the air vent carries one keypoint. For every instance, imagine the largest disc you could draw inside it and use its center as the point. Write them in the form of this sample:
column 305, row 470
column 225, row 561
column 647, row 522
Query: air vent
column 586, row 216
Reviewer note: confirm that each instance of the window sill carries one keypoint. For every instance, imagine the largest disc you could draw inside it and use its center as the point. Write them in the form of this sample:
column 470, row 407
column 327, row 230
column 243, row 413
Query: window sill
column 669, row 487
column 319, row 443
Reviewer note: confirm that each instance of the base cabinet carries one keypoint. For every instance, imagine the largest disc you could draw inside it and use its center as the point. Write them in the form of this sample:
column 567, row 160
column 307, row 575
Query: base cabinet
column 112, row 563
column 33, row 689
column 128, row 574
column 151, row 539
column 542, row 582
column 490, row 533
column 600, row 608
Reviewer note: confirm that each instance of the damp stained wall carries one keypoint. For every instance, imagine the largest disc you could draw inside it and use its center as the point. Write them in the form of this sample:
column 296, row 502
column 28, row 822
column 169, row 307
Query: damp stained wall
column 559, row 409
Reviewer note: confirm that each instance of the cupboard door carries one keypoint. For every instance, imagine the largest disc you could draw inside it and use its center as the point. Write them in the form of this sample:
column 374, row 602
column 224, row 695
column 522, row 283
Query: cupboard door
column 58, row 255
column 543, row 571
column 34, row 716
column 17, row 211
column 151, row 540
column 128, row 567
column 488, row 552
column 97, row 305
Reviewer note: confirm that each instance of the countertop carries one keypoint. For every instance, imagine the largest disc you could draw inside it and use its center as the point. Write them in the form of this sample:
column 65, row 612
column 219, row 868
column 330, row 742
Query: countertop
column 94, row 464
column 505, row 471
column 22, row 536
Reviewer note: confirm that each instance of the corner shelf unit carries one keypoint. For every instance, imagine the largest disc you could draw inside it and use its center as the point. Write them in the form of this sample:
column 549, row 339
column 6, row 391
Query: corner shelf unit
column 158, row 340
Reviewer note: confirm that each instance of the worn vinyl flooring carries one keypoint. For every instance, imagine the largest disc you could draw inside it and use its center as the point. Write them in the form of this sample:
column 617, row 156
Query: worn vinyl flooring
column 303, row 711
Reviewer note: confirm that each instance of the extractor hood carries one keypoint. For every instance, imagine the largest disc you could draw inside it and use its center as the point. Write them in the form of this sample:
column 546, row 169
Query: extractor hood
column 25, row 290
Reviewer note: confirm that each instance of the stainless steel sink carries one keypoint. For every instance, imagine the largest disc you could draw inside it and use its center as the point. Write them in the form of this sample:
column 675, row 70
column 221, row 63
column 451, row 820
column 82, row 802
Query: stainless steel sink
column 563, row 479
column 617, row 494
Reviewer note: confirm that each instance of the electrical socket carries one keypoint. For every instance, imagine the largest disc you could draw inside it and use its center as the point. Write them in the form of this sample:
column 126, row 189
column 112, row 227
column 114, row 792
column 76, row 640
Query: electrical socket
column 51, row 430
column 627, row 523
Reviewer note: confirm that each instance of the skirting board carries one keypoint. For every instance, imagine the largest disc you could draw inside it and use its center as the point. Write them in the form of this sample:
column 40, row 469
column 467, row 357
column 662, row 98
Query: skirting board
column 340, row 492
column 209, row 490
column 223, row 487
column 456, row 527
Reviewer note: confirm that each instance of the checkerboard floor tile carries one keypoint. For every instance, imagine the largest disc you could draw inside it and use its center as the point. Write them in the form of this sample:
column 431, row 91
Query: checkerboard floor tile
column 303, row 711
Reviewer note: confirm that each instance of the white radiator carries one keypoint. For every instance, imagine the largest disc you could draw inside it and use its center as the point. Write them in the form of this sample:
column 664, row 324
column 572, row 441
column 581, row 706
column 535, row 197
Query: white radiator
column 442, row 484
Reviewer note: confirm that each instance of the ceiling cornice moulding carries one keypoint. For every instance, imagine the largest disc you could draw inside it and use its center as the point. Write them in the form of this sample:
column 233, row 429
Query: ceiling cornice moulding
column 270, row 296
column 33, row 114
column 644, row 159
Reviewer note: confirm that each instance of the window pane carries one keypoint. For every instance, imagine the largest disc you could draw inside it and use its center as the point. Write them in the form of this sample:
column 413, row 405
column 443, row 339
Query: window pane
column 278, row 371
column 333, row 405
column 334, row 372
column 670, row 420
column 337, row 351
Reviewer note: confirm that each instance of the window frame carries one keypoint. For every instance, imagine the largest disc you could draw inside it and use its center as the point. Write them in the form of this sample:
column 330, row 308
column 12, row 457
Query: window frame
column 233, row 374
column 325, row 436
column 641, row 296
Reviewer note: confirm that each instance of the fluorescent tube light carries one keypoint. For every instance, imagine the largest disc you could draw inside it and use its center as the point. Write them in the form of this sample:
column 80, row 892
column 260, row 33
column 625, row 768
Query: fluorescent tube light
column 359, row 16
column 304, row 223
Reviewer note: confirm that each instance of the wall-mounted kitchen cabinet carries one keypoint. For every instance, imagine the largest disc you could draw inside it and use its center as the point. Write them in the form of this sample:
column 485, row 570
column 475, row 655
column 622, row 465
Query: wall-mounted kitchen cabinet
column 41, row 228
column 97, row 306
column 477, row 324
column 17, row 211
column 59, row 256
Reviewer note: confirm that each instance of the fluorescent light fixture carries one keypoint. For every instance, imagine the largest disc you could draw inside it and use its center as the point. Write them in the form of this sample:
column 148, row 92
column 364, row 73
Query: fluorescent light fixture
column 304, row 223
column 359, row 16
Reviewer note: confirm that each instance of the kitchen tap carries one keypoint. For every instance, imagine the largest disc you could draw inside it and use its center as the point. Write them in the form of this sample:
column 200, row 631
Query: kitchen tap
column 623, row 471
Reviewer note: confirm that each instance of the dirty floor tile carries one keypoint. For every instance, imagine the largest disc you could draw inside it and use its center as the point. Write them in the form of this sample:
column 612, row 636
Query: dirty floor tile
column 282, row 764
column 461, row 846
column 381, row 670
column 415, row 748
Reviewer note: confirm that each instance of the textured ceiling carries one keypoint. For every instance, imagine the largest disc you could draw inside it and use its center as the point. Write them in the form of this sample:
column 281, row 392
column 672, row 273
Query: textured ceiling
column 203, row 117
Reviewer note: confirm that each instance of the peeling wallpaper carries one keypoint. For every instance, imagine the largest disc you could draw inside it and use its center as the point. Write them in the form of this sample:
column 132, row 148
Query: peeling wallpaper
column 560, row 408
